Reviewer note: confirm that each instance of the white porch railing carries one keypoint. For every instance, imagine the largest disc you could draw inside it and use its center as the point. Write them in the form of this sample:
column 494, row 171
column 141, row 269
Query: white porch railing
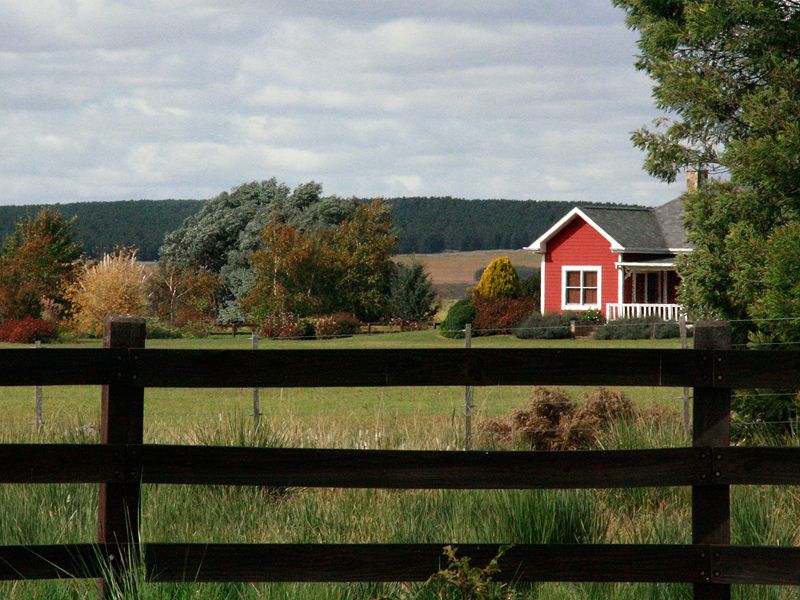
column 667, row 312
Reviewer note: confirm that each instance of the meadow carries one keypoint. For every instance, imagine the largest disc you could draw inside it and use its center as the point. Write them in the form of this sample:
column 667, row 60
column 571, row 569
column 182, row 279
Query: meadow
column 369, row 418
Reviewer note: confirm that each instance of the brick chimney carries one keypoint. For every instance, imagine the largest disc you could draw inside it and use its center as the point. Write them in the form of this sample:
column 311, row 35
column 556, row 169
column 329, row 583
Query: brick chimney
column 695, row 178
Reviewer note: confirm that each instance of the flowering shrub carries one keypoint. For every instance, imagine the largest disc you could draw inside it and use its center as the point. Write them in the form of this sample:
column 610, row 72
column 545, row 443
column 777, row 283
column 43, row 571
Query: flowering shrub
column 27, row 330
column 285, row 325
column 338, row 324
column 500, row 315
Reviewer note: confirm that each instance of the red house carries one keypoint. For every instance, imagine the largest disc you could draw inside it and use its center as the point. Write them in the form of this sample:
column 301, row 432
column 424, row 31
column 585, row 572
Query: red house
column 618, row 260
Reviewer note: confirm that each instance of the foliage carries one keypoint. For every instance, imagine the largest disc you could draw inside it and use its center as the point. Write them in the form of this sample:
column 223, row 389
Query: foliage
column 364, row 245
column 114, row 285
column 411, row 296
column 549, row 326
column 637, row 328
column 591, row 316
column 158, row 330
column 27, row 330
column 459, row 580
column 285, row 325
column 179, row 296
column 553, row 421
column 499, row 314
column 37, row 263
column 728, row 72
column 222, row 237
column 781, row 277
column 319, row 271
column 461, row 313
column 336, row 325
column 499, row 280
column 102, row 227
column 532, row 286
column 758, row 411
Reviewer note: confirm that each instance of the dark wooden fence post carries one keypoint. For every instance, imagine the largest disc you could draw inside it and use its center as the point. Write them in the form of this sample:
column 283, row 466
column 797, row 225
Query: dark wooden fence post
column 122, row 422
column 711, row 427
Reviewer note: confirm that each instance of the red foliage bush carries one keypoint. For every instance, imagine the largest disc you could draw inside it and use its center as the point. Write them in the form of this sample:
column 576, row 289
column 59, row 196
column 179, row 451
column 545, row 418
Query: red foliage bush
column 338, row 324
column 500, row 315
column 27, row 330
column 285, row 325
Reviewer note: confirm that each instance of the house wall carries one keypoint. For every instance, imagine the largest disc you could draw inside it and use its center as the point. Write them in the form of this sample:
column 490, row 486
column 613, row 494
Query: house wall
column 578, row 244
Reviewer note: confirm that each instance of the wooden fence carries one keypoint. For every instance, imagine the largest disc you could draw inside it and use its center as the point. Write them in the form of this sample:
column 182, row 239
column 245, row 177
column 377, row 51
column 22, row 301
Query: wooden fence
column 122, row 462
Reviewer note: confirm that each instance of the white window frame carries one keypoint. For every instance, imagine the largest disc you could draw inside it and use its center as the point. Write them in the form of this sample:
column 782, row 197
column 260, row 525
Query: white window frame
column 583, row 269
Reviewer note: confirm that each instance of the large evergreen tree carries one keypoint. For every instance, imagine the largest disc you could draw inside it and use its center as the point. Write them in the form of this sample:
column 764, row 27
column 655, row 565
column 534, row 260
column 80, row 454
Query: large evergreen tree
column 728, row 75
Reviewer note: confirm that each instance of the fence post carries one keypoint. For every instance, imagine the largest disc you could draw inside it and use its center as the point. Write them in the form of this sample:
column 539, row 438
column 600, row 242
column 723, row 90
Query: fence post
column 122, row 422
column 711, row 427
column 37, row 398
column 256, row 394
column 468, row 395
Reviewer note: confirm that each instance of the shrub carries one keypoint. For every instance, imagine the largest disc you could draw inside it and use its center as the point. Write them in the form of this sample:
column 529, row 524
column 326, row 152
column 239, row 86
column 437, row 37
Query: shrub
column 461, row 313
column 338, row 324
column 532, row 286
column 500, row 315
column 591, row 316
column 638, row 328
column 115, row 284
column 197, row 329
column 411, row 296
column 549, row 326
column 522, row 272
column 552, row 421
column 27, row 330
column 157, row 330
column 764, row 411
column 285, row 325
column 499, row 280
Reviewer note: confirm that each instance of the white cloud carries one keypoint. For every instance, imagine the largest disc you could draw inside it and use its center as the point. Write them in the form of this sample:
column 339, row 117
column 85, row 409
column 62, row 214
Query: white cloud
column 106, row 100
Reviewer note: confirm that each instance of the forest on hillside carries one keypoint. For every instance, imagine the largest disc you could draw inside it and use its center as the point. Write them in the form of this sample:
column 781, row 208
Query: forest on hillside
column 423, row 224
column 103, row 226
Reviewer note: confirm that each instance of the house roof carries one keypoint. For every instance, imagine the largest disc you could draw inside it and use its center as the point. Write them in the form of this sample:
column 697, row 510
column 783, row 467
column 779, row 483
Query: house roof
column 630, row 229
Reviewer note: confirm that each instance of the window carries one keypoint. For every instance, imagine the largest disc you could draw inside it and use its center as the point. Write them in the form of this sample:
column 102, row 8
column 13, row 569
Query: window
column 581, row 289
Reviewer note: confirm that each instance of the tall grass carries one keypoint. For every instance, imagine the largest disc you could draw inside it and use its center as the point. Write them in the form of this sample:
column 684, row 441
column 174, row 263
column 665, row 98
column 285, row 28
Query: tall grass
column 44, row 514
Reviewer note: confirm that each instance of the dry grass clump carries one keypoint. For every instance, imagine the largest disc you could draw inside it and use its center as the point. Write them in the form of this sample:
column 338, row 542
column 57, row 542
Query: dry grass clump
column 553, row 421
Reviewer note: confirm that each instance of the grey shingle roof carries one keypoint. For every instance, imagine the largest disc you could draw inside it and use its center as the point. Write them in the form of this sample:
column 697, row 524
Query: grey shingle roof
column 631, row 227
column 670, row 220
column 651, row 228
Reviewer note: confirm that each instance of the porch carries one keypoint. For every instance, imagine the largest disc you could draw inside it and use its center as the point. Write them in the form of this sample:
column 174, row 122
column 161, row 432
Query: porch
column 667, row 312
column 647, row 288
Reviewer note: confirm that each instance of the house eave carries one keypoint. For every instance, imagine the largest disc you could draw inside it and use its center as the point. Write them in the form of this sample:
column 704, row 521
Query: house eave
column 539, row 245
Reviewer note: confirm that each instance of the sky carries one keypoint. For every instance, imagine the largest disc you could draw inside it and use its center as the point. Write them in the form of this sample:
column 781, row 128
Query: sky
column 523, row 99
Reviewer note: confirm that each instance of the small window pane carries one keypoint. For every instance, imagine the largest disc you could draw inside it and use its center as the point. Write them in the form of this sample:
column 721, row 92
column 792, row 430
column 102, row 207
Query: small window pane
column 573, row 296
column 573, row 278
column 589, row 296
column 590, row 279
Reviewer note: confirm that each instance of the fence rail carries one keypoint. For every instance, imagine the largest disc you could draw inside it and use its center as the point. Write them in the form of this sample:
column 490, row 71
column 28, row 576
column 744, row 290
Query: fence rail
column 122, row 462
column 382, row 368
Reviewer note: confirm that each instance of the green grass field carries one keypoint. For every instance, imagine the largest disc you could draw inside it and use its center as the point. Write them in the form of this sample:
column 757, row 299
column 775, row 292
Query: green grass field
column 365, row 418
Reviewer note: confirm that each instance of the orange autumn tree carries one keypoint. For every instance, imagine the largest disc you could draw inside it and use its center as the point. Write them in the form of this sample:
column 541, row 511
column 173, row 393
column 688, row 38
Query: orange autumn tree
column 38, row 262
column 321, row 270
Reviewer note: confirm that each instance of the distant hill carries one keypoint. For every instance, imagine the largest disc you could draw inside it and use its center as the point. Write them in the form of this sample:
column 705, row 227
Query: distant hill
column 425, row 225
column 103, row 226
column 430, row 225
